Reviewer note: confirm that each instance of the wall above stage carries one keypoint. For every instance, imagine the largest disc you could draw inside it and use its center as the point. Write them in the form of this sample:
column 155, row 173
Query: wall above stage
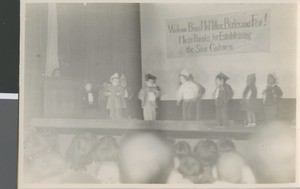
column 279, row 58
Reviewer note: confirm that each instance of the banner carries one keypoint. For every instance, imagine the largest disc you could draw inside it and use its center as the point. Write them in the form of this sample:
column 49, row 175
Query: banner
column 230, row 33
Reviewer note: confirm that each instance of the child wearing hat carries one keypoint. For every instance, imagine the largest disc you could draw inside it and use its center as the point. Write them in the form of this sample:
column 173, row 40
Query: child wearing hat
column 249, row 100
column 188, row 93
column 222, row 94
column 272, row 95
column 148, row 96
column 115, row 101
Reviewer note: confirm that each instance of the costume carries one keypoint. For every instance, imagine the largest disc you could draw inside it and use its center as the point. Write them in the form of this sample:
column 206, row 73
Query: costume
column 115, row 100
column 188, row 92
column 89, row 102
column 272, row 95
column 148, row 96
column 126, row 99
column 222, row 94
column 250, row 100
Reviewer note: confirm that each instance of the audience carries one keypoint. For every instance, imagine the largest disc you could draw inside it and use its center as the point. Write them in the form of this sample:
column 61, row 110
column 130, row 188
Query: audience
column 146, row 156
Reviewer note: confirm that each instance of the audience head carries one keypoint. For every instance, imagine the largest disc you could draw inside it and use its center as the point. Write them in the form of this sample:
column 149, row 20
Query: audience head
column 230, row 167
column 145, row 157
column 183, row 148
column 206, row 152
column 79, row 152
column 190, row 167
column 272, row 153
column 225, row 145
column 106, row 149
column 40, row 142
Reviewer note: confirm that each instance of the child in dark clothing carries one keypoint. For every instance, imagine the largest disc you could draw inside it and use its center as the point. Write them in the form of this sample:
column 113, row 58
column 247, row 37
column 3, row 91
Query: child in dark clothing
column 272, row 95
column 222, row 94
column 249, row 100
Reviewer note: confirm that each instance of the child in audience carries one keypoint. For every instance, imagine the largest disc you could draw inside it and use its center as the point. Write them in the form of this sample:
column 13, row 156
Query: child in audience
column 105, row 154
column 182, row 148
column 115, row 101
column 249, row 100
column 89, row 101
column 79, row 153
column 187, row 171
column 148, row 96
column 222, row 94
column 272, row 95
column 145, row 157
column 206, row 153
column 225, row 145
column 232, row 169
column 188, row 93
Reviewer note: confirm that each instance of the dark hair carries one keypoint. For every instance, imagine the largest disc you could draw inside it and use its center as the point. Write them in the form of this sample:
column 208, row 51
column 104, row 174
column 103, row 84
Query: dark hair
column 225, row 145
column 189, row 166
column 206, row 152
column 182, row 148
column 106, row 149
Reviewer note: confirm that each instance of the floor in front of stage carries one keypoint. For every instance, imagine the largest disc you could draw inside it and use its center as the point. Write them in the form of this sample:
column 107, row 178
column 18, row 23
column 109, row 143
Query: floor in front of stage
column 181, row 129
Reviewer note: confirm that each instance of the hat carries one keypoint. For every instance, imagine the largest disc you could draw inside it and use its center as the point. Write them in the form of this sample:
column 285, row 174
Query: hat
column 251, row 77
column 274, row 76
column 184, row 72
column 149, row 76
column 222, row 76
column 114, row 76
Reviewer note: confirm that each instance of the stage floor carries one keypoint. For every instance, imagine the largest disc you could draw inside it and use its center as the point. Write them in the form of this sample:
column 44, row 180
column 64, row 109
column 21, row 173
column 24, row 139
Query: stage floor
column 180, row 129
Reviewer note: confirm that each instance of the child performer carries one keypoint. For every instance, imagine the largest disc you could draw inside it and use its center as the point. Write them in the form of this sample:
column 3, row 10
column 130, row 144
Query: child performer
column 222, row 94
column 188, row 93
column 115, row 100
column 89, row 101
column 127, row 97
column 249, row 100
column 148, row 96
column 271, row 94
column 201, row 94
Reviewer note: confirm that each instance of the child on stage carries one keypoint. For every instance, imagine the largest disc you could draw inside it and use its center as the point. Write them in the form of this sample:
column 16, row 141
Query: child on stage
column 222, row 94
column 148, row 96
column 272, row 95
column 188, row 93
column 115, row 101
column 249, row 100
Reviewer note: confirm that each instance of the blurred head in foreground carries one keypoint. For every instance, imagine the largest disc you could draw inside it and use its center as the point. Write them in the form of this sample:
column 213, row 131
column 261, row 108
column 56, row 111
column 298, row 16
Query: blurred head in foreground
column 145, row 157
column 272, row 153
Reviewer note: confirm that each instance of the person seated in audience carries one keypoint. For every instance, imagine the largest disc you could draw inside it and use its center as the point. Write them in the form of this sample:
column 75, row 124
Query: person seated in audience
column 231, row 168
column 272, row 153
column 222, row 94
column 225, row 145
column 46, row 168
column 149, row 96
column 115, row 98
column 206, row 152
column 79, row 153
column 186, row 171
column 40, row 142
column 183, row 148
column 188, row 93
column 145, row 157
column 272, row 95
column 89, row 101
column 105, row 155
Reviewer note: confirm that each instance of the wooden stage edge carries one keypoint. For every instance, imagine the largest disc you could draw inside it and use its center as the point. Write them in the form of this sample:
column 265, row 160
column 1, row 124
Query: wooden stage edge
column 180, row 129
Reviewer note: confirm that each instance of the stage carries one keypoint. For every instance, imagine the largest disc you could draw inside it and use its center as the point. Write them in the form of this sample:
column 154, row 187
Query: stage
column 178, row 129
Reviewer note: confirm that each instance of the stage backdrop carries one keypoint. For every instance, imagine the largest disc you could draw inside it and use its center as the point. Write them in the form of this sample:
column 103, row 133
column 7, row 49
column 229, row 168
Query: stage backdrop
column 237, row 39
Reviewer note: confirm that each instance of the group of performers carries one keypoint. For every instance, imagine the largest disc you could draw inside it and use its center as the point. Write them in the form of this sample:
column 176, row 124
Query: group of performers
column 189, row 93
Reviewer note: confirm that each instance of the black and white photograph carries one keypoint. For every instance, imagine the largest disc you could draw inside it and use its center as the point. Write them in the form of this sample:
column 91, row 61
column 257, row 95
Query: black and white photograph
column 168, row 94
